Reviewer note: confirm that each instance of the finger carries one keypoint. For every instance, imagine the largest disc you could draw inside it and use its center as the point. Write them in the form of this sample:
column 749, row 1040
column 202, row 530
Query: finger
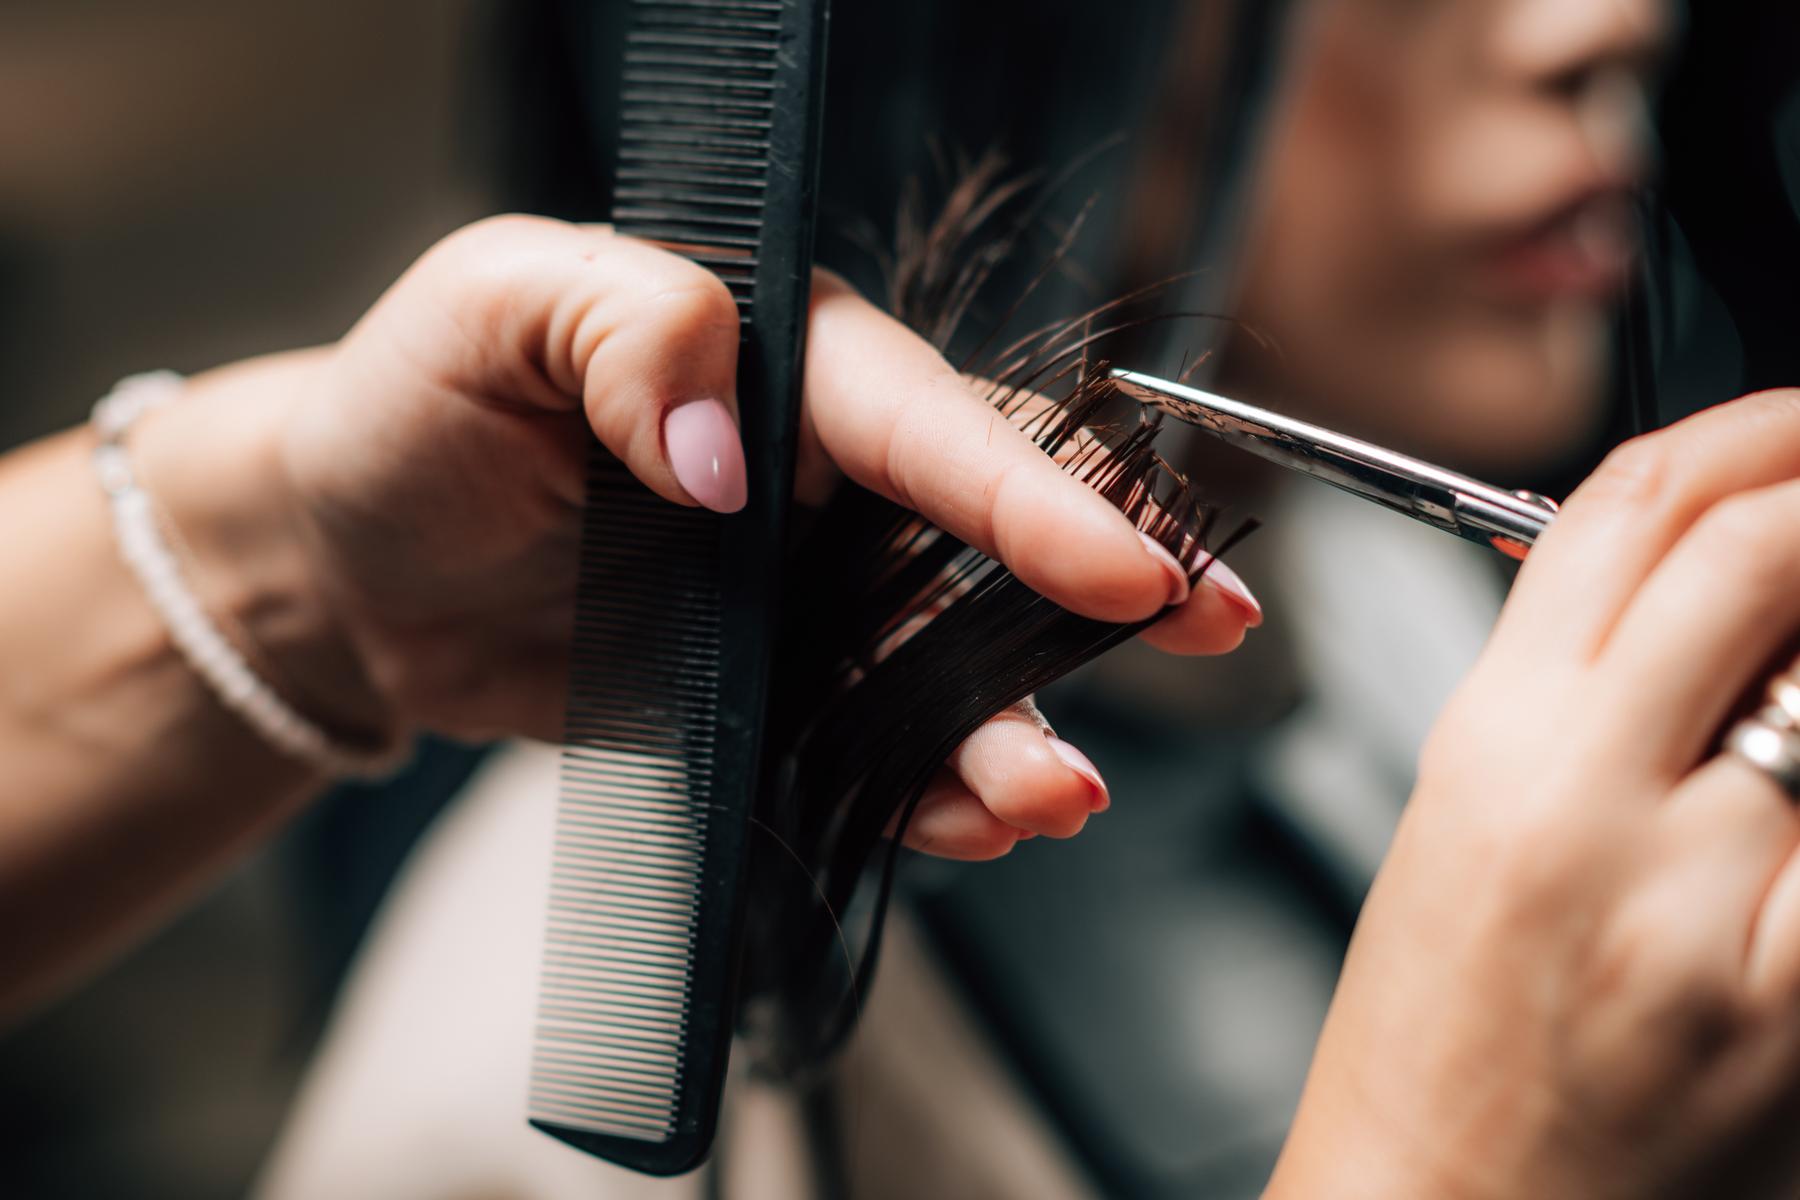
column 1027, row 776
column 898, row 420
column 1772, row 955
column 1691, row 908
column 550, row 313
column 951, row 822
column 1732, row 818
column 1703, row 629
column 1215, row 618
column 1624, row 519
column 1217, row 614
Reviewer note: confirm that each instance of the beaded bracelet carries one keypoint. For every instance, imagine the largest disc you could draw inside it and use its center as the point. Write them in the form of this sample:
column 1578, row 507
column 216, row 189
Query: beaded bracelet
column 206, row 650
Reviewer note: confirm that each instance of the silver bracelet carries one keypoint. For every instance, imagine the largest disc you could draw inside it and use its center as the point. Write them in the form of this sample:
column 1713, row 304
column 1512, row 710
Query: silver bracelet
column 206, row 650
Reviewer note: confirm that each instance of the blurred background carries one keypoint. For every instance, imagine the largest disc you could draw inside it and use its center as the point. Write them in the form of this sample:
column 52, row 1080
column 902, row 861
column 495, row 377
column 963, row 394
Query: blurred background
column 193, row 181
column 185, row 183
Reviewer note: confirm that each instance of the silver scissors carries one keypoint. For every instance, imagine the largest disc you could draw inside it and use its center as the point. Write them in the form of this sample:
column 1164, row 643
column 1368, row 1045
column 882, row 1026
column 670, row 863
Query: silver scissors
column 1510, row 522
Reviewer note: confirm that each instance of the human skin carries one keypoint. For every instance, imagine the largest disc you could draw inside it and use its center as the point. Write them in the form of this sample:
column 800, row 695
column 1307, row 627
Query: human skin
column 1578, row 971
column 386, row 528
column 1444, row 225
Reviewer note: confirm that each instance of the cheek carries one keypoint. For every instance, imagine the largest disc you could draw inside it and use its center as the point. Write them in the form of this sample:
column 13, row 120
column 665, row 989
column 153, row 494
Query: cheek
column 1327, row 243
column 1390, row 153
column 1493, row 393
column 1335, row 230
column 1496, row 162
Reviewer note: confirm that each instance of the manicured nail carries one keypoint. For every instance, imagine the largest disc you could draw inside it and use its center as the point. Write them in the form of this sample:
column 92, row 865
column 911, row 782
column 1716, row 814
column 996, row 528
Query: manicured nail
column 1177, row 578
column 1226, row 582
column 707, row 454
column 1083, row 766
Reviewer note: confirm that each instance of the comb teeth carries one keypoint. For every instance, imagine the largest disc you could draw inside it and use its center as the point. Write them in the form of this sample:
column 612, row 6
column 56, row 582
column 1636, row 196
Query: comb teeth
column 625, row 1003
column 676, row 608
column 699, row 99
column 631, row 826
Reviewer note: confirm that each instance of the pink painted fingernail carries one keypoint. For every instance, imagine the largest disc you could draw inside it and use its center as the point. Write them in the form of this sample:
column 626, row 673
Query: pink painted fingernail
column 1083, row 766
column 1227, row 583
column 1177, row 578
column 707, row 453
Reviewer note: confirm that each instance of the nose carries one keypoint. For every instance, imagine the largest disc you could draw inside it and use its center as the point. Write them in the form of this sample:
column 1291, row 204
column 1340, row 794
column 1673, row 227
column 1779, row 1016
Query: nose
column 1594, row 58
column 1563, row 44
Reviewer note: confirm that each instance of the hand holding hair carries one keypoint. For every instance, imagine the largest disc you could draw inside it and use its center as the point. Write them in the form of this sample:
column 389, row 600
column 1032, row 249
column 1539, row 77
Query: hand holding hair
column 384, row 529
column 1578, row 973
column 450, row 569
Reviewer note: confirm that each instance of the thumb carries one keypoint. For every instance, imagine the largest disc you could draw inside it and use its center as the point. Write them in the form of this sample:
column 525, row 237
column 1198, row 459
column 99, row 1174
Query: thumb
column 548, row 314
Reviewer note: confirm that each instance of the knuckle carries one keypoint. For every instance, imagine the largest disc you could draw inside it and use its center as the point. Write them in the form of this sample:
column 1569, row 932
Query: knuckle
column 1667, row 972
column 1008, row 507
column 476, row 272
column 909, row 447
column 693, row 302
column 1636, row 474
column 480, row 239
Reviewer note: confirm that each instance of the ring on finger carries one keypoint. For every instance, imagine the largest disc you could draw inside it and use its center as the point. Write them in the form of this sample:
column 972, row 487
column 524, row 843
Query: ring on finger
column 1784, row 699
column 1772, row 750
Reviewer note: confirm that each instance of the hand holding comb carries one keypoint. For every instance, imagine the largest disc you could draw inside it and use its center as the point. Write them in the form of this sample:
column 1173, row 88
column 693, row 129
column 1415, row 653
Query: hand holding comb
column 676, row 608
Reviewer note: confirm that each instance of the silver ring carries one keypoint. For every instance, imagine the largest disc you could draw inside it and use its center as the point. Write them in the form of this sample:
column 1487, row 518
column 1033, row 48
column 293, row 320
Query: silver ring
column 1784, row 697
column 1774, row 752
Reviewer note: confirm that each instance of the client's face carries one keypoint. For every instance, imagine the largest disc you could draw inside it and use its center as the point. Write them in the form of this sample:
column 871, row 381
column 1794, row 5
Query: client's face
column 1445, row 229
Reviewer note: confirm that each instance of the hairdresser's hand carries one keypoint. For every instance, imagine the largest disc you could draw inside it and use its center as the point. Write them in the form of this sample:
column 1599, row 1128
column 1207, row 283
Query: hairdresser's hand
column 431, row 468
column 1579, row 971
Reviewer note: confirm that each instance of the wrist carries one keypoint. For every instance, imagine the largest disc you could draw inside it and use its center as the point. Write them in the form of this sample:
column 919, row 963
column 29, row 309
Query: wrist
column 211, row 464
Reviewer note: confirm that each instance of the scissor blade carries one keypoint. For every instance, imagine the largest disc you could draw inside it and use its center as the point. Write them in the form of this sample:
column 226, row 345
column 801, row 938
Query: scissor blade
column 1372, row 472
column 1455, row 503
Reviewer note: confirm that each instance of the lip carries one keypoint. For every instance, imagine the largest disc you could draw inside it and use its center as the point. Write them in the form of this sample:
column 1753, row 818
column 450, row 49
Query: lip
column 1583, row 250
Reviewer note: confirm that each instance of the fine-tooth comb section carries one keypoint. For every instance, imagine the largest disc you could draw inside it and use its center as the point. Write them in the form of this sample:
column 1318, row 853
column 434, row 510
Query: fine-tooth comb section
column 696, row 123
column 631, row 826
column 675, row 606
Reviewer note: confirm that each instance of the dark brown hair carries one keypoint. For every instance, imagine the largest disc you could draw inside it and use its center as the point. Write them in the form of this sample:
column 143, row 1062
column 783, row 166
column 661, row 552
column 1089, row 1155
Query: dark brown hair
column 900, row 640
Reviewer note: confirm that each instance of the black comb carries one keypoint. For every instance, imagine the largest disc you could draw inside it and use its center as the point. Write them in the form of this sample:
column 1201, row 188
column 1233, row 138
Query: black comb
column 676, row 607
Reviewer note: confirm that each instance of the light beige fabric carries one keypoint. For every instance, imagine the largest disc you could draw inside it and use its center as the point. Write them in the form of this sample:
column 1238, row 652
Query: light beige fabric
column 418, row 1091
